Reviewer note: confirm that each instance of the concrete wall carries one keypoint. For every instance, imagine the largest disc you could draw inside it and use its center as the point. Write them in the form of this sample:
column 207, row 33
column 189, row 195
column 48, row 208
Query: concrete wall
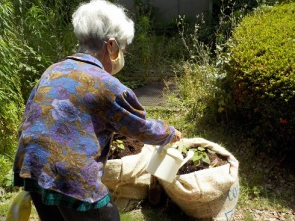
column 170, row 9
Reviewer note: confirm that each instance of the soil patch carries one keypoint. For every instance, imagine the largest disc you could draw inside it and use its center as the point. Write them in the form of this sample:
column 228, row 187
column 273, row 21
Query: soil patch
column 189, row 167
column 131, row 147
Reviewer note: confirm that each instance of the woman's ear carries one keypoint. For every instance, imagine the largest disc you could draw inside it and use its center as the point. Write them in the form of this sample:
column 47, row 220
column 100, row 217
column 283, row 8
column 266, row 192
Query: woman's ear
column 112, row 48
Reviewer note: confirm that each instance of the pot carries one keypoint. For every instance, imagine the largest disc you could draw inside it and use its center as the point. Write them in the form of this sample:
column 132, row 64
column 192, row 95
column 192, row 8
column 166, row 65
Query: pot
column 166, row 161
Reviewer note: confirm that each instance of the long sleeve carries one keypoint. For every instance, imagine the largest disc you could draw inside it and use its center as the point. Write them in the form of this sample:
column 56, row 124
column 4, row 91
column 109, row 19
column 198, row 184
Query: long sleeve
column 128, row 117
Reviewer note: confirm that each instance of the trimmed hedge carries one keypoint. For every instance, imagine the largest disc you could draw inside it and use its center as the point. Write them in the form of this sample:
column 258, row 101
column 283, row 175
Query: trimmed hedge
column 261, row 75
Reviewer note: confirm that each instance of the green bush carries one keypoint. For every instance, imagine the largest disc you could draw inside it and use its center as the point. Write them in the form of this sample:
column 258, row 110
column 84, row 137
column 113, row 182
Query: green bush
column 47, row 31
column 11, row 100
column 6, row 174
column 32, row 36
column 261, row 75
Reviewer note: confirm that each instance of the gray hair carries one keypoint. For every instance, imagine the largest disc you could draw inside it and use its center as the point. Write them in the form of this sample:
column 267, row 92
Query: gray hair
column 99, row 20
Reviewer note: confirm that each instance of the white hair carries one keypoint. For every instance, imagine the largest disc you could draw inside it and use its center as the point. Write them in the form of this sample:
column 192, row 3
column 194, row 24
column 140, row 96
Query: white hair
column 99, row 20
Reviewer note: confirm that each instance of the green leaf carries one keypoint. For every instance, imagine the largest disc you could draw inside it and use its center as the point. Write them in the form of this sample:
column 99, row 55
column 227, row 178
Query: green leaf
column 197, row 157
column 194, row 149
column 206, row 159
column 220, row 109
column 185, row 148
column 211, row 151
column 197, row 163
column 121, row 146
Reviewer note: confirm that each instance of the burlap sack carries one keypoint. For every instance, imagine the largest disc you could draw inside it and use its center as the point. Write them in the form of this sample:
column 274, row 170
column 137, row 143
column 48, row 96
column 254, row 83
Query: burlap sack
column 127, row 178
column 209, row 193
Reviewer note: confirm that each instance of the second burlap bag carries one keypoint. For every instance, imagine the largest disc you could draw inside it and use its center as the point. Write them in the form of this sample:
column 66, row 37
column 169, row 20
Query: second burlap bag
column 127, row 178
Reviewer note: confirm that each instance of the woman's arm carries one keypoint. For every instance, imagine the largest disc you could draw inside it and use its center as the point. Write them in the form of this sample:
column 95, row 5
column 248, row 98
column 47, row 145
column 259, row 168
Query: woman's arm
column 128, row 117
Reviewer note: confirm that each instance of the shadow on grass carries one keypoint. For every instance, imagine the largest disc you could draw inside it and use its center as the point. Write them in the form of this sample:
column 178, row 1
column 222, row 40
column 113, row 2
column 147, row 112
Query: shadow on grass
column 166, row 211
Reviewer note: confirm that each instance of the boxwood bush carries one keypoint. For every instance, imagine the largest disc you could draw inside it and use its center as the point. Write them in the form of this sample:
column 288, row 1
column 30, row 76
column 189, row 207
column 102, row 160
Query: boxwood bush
column 261, row 75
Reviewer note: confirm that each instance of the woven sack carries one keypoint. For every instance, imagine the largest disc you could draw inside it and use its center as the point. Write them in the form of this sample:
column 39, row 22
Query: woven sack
column 209, row 193
column 127, row 179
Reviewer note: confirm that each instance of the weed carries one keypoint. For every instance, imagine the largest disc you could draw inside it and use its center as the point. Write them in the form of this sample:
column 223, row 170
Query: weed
column 248, row 216
column 116, row 145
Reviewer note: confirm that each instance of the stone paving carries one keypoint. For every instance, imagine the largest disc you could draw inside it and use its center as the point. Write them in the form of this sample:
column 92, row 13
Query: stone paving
column 153, row 95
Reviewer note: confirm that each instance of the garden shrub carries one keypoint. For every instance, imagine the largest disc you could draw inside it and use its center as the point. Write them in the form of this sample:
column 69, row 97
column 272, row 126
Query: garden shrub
column 6, row 173
column 11, row 100
column 46, row 29
column 261, row 75
column 31, row 37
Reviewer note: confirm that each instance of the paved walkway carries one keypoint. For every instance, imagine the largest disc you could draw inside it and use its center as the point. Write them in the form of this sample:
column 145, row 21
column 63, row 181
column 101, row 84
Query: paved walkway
column 153, row 94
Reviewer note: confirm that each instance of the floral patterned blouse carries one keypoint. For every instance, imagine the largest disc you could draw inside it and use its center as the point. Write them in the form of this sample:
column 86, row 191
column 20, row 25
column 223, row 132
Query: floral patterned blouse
column 67, row 127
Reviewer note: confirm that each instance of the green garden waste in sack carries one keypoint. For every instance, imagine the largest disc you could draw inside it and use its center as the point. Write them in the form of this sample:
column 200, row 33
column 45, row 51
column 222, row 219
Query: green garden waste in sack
column 209, row 193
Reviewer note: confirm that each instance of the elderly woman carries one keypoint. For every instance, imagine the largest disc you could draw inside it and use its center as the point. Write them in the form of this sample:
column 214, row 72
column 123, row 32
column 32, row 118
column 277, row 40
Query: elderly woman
column 71, row 115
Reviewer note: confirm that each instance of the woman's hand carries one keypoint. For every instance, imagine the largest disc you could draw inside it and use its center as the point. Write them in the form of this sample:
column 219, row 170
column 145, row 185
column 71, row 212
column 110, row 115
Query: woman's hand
column 177, row 136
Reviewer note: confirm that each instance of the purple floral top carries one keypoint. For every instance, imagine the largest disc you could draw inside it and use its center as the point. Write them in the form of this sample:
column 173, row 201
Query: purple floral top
column 69, row 119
